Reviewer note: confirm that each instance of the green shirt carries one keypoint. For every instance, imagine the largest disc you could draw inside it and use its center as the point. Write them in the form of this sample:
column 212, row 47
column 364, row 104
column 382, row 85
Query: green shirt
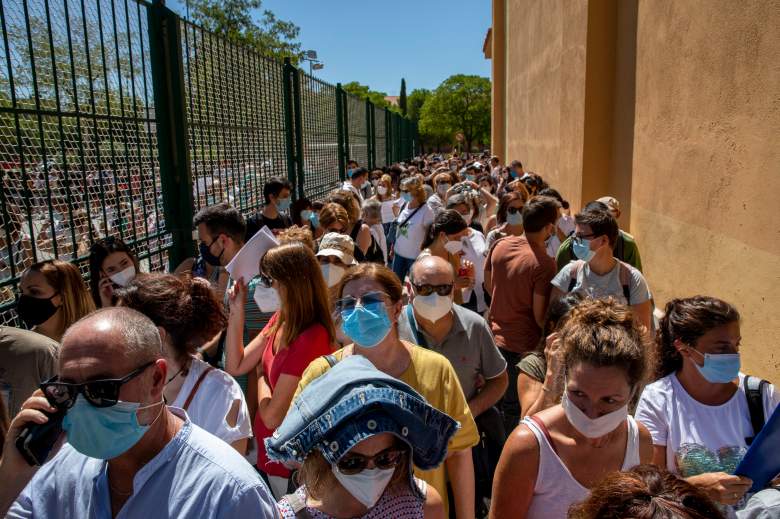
column 625, row 250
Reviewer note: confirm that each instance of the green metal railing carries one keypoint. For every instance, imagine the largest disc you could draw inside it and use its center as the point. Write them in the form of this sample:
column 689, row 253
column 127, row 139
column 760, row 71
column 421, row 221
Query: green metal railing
column 117, row 117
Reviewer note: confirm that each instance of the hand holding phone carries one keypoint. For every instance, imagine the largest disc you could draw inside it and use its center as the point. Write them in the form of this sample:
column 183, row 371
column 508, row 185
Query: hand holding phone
column 33, row 433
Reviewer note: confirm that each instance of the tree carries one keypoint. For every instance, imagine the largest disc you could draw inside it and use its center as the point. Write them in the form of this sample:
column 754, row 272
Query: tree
column 233, row 19
column 402, row 98
column 460, row 104
column 365, row 92
column 415, row 103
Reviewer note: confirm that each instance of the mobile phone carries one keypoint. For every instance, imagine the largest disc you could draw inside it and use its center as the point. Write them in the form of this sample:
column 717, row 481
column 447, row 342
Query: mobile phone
column 36, row 440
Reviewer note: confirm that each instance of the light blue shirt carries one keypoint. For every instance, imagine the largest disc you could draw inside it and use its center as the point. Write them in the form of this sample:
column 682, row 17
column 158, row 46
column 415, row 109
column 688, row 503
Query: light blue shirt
column 195, row 475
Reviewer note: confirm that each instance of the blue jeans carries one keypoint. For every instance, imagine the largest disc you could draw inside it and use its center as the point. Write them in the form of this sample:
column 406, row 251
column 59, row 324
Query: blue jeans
column 401, row 266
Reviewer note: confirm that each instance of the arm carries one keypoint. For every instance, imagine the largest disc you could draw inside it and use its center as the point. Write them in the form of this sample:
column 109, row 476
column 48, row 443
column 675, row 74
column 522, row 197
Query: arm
column 555, row 295
column 540, row 308
column 460, row 472
column 491, row 393
column 536, row 396
column 491, row 200
column 433, row 507
column 515, row 476
column 273, row 406
column 240, row 360
column 364, row 238
column 643, row 314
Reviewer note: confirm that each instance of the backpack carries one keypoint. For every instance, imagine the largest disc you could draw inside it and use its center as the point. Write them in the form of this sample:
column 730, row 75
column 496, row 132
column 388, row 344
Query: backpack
column 625, row 278
column 754, row 393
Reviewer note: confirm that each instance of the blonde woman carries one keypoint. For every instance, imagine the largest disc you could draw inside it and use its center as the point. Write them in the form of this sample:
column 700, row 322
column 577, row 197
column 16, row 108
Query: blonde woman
column 299, row 332
column 391, row 206
column 53, row 297
column 413, row 222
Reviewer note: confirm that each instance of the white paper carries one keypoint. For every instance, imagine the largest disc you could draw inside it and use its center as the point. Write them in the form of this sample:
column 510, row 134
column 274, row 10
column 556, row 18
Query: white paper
column 246, row 264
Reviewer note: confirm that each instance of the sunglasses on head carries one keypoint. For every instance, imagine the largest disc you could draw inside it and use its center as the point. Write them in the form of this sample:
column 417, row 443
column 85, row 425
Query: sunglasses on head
column 426, row 290
column 383, row 460
column 348, row 303
column 99, row 393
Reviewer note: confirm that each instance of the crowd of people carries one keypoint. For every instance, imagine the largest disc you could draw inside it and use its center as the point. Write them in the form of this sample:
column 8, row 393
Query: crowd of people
column 439, row 338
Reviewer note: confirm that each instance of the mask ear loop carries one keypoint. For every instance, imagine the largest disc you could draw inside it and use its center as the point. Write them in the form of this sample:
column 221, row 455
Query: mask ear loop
column 161, row 403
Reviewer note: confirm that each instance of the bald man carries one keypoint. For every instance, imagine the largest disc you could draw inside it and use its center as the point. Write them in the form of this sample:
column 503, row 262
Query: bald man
column 127, row 453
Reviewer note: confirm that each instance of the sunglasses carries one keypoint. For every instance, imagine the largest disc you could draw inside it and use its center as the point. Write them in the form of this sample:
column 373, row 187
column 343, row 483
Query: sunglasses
column 514, row 210
column 348, row 303
column 426, row 290
column 355, row 463
column 265, row 281
column 99, row 393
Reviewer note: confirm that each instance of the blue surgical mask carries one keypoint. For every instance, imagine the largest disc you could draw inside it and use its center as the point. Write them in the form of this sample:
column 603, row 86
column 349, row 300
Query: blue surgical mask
column 315, row 220
column 470, row 178
column 104, row 432
column 514, row 219
column 407, row 197
column 283, row 204
column 349, row 173
column 306, row 215
column 513, row 173
column 366, row 325
column 720, row 368
column 582, row 250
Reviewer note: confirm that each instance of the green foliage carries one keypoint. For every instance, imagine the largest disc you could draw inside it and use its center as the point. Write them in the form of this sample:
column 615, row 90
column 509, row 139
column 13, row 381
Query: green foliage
column 402, row 98
column 365, row 92
column 415, row 103
column 233, row 19
column 461, row 104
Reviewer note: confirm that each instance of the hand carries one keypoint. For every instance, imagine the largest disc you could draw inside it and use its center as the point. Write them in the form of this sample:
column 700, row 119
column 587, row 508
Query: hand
column 553, row 352
column 237, row 296
column 106, row 291
column 464, row 282
column 12, row 462
column 721, row 487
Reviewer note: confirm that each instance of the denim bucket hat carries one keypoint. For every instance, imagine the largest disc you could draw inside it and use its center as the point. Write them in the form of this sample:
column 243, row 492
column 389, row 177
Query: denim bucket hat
column 353, row 401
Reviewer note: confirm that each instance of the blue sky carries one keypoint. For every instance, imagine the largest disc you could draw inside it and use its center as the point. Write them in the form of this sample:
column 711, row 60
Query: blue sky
column 377, row 43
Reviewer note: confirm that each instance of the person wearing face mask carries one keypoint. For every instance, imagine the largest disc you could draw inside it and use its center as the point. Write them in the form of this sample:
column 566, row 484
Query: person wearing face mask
column 413, row 221
column 358, row 462
column 53, row 296
column 112, row 265
column 517, row 275
column 432, row 320
column 445, row 239
column 442, row 182
column 302, row 214
column 391, row 206
column 703, row 411
column 277, row 193
column 564, row 227
column 356, row 179
column 127, row 453
column 509, row 218
column 369, row 305
column 597, row 273
column 300, row 331
column 554, row 457
column 187, row 313
column 365, row 246
column 335, row 255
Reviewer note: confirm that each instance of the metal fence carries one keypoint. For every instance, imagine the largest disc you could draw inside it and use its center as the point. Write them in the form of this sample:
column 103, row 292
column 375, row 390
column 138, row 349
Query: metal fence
column 119, row 118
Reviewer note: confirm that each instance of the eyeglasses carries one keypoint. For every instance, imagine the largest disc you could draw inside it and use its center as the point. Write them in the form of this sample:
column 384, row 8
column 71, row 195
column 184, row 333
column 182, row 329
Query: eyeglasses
column 99, row 393
column 514, row 210
column 578, row 238
column 348, row 303
column 426, row 290
column 355, row 463
column 265, row 281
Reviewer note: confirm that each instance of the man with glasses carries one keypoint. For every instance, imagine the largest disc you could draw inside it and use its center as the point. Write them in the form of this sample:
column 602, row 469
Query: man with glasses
column 127, row 452
column 517, row 275
column 598, row 273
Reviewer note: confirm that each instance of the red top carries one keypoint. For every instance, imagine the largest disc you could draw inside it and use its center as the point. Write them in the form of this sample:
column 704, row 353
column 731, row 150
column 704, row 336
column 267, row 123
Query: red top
column 293, row 360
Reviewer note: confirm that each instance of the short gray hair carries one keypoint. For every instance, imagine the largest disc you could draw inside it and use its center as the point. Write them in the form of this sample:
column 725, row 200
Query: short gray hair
column 141, row 337
column 372, row 208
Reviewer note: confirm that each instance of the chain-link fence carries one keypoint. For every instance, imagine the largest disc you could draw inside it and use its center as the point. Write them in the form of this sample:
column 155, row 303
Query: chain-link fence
column 118, row 118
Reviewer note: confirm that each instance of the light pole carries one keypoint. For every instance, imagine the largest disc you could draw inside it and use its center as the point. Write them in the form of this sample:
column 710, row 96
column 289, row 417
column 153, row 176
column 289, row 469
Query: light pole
column 314, row 63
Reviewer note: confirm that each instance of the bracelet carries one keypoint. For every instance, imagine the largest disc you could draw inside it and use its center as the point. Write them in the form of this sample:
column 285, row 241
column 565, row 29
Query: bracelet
column 546, row 389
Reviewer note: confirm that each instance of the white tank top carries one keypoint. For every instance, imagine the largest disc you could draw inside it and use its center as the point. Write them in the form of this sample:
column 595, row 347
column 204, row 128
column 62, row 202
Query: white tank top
column 556, row 489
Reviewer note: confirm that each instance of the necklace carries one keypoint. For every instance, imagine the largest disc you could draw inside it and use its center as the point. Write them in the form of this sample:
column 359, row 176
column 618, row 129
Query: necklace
column 119, row 492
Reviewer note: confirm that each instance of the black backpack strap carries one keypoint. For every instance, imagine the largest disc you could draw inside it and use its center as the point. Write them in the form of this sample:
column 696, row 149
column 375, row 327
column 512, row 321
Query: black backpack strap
column 625, row 280
column 331, row 359
column 618, row 250
column 578, row 264
column 754, row 392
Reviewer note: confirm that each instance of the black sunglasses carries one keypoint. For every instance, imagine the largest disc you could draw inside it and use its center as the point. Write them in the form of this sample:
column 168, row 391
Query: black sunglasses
column 426, row 290
column 514, row 210
column 355, row 463
column 99, row 393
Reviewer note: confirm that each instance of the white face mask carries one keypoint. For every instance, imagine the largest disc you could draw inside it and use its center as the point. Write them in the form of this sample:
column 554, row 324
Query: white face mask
column 593, row 427
column 267, row 299
column 432, row 307
column 124, row 277
column 332, row 273
column 467, row 217
column 367, row 486
column 454, row 246
column 382, row 190
column 442, row 189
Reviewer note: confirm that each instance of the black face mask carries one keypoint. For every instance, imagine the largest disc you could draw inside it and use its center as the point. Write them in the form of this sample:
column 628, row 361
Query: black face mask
column 208, row 257
column 35, row 310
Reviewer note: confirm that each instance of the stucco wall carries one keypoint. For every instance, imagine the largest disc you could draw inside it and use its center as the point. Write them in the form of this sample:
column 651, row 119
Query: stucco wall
column 706, row 160
column 545, row 87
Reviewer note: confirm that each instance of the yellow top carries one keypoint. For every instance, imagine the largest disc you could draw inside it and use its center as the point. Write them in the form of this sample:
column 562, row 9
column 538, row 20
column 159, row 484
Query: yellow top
column 431, row 375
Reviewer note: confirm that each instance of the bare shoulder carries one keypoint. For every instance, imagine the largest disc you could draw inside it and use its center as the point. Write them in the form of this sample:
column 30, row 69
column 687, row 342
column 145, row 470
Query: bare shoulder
column 434, row 506
column 645, row 444
column 521, row 443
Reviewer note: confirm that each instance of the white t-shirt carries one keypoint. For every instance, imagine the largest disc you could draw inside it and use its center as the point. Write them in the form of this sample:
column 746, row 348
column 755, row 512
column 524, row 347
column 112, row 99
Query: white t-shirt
column 699, row 438
column 378, row 232
column 409, row 237
column 566, row 224
column 349, row 187
column 475, row 250
column 213, row 401
column 388, row 216
column 590, row 284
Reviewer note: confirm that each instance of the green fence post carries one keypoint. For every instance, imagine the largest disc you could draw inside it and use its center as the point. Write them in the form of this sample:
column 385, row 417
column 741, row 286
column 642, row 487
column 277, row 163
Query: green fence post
column 290, row 127
column 298, row 112
column 370, row 134
column 345, row 116
column 388, row 139
column 170, row 109
column 340, row 132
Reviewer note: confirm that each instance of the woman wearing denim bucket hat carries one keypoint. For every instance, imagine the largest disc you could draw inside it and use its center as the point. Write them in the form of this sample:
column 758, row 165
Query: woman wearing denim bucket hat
column 357, row 431
column 368, row 306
